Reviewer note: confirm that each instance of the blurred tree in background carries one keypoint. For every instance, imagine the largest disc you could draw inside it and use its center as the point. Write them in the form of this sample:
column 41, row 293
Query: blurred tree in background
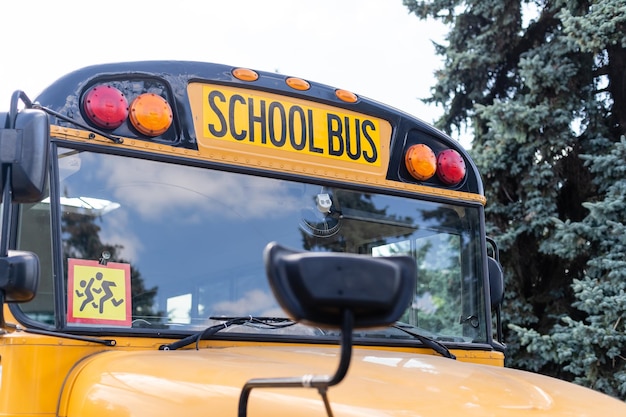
column 542, row 87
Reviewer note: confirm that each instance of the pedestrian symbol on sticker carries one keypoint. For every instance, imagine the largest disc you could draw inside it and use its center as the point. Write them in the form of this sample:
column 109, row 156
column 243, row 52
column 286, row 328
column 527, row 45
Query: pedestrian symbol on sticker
column 98, row 294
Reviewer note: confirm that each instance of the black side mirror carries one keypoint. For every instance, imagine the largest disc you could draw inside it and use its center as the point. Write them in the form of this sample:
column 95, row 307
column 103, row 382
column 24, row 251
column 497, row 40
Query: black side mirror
column 24, row 146
column 19, row 276
column 335, row 290
column 496, row 281
column 317, row 287
column 496, row 287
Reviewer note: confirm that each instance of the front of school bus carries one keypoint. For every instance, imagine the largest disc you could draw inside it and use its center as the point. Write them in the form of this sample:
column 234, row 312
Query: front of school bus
column 167, row 187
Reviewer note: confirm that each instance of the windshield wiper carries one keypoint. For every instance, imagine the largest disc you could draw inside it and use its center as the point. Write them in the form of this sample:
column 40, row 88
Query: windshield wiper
column 261, row 322
column 106, row 342
column 438, row 347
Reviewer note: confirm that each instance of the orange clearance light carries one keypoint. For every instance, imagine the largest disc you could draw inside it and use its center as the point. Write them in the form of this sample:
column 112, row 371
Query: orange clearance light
column 450, row 167
column 421, row 162
column 150, row 114
column 106, row 107
column 245, row 74
column 347, row 96
column 298, row 83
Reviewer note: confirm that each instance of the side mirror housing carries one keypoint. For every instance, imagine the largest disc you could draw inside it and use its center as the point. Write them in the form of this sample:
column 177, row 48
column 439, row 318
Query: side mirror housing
column 496, row 281
column 317, row 287
column 24, row 145
column 19, row 276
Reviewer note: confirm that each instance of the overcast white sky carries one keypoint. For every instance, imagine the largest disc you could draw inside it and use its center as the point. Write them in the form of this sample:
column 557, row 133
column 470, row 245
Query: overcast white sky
column 371, row 47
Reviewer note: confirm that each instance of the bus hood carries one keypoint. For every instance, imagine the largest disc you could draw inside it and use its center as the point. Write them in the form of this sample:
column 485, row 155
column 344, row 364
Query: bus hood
column 378, row 383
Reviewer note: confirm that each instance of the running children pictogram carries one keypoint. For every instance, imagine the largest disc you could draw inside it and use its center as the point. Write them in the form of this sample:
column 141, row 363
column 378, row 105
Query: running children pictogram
column 98, row 294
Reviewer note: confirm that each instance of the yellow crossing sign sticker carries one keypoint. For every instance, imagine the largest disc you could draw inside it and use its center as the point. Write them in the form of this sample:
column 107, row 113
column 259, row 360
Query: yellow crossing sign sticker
column 99, row 294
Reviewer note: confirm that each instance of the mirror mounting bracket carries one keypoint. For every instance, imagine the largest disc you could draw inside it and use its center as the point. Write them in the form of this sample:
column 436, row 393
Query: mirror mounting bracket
column 322, row 383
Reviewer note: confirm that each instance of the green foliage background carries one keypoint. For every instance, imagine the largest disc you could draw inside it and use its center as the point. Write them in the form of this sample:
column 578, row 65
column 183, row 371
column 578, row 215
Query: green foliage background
column 542, row 86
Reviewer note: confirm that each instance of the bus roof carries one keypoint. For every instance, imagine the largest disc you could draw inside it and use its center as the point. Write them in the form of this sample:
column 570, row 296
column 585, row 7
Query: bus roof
column 183, row 84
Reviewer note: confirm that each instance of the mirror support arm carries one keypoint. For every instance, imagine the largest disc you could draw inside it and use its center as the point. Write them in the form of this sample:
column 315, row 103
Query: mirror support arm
column 7, row 192
column 347, row 326
column 6, row 211
column 2, row 322
column 308, row 381
column 5, row 230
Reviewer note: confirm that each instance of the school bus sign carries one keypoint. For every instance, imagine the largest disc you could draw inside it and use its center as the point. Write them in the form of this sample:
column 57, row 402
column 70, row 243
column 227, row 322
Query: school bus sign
column 272, row 122
column 99, row 294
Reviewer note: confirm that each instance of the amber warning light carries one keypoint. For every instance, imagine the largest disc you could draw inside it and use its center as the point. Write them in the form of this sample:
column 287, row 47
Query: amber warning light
column 150, row 114
column 423, row 164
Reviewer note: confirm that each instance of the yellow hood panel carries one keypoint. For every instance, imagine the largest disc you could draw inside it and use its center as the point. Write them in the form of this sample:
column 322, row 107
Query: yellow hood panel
column 378, row 383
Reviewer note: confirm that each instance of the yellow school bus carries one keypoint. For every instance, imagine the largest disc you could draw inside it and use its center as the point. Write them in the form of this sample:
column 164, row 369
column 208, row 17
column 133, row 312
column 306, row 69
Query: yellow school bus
column 187, row 238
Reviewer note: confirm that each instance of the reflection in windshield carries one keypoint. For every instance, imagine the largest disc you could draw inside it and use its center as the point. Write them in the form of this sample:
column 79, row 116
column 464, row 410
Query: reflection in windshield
column 194, row 239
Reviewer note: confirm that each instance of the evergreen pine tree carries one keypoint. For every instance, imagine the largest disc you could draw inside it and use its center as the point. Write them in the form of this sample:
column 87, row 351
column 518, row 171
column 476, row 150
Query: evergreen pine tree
column 542, row 85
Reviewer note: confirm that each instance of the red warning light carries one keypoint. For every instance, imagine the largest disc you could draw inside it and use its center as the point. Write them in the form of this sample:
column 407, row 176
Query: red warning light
column 106, row 107
column 450, row 167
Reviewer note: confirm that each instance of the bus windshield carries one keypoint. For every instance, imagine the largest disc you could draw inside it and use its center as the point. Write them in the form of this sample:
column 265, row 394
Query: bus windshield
column 192, row 239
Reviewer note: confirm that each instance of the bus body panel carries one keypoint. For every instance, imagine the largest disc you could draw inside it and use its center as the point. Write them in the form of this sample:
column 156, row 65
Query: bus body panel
column 78, row 379
column 384, row 383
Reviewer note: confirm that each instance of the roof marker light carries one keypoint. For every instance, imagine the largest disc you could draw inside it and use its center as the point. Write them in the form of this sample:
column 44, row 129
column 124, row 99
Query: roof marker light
column 105, row 106
column 450, row 167
column 421, row 162
column 298, row 83
column 245, row 74
column 347, row 96
column 150, row 114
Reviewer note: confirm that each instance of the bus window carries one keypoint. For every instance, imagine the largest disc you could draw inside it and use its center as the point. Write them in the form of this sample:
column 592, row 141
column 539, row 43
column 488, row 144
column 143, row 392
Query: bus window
column 34, row 235
column 193, row 239
column 441, row 299
column 438, row 297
